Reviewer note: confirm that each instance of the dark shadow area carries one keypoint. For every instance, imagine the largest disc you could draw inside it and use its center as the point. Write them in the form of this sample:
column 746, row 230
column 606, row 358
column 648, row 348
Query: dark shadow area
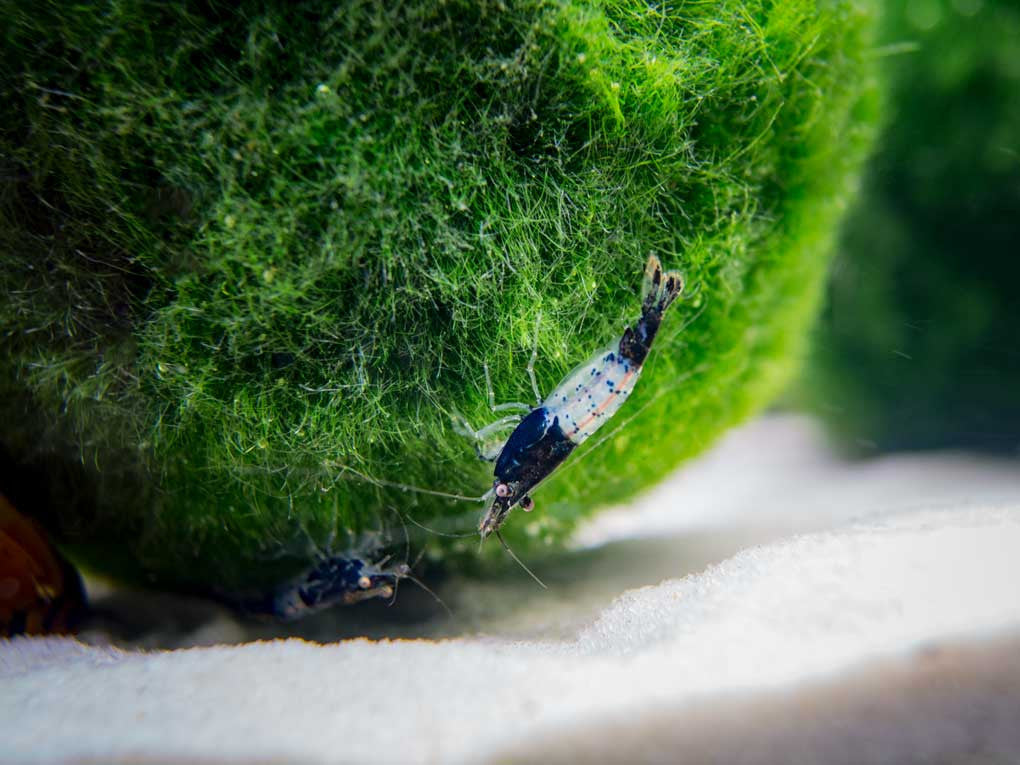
column 507, row 603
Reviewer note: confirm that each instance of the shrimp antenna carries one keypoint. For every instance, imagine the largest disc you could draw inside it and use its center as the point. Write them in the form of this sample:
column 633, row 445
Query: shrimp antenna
column 519, row 561
column 409, row 487
column 405, row 573
column 404, row 570
column 407, row 538
column 438, row 533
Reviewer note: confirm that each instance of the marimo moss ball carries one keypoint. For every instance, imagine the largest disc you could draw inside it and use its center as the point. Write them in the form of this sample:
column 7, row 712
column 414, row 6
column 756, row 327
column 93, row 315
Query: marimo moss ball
column 919, row 345
column 256, row 258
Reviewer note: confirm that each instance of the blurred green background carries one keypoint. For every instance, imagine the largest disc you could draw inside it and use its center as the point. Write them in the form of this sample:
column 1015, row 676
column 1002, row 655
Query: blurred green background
column 918, row 347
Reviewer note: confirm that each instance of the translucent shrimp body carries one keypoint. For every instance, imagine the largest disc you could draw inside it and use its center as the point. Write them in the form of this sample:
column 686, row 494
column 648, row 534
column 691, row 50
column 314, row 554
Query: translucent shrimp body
column 592, row 393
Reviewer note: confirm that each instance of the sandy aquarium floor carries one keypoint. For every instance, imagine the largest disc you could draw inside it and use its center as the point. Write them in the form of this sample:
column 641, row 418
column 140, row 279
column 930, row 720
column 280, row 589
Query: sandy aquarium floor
column 769, row 603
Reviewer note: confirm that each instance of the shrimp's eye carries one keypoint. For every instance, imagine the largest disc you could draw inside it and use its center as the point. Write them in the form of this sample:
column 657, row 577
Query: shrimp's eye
column 527, row 504
column 502, row 490
column 364, row 582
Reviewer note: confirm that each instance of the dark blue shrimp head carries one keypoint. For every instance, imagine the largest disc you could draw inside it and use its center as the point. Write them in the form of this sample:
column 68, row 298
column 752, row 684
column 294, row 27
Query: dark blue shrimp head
column 500, row 508
column 535, row 448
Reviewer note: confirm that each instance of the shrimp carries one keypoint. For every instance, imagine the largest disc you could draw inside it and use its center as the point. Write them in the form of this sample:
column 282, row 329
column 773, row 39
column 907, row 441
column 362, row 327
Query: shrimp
column 334, row 579
column 362, row 572
column 582, row 403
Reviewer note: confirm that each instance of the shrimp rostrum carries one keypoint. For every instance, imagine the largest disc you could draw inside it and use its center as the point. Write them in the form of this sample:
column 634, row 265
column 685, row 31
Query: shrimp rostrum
column 583, row 401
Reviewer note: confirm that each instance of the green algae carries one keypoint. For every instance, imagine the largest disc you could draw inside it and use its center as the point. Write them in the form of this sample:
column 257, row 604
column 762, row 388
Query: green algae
column 918, row 348
column 255, row 260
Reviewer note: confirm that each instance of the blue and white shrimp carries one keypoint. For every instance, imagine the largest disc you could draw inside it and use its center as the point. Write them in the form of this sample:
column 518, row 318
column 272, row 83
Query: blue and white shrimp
column 332, row 579
column 575, row 409
column 335, row 580
column 363, row 571
column 339, row 580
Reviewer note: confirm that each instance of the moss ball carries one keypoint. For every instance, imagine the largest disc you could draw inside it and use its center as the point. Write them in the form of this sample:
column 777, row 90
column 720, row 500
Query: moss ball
column 918, row 347
column 256, row 258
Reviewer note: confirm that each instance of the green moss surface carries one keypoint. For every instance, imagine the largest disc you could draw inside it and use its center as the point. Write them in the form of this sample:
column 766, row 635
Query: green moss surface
column 254, row 260
column 918, row 348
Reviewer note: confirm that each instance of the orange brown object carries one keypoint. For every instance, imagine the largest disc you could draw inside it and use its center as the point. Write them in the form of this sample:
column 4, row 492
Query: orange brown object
column 40, row 592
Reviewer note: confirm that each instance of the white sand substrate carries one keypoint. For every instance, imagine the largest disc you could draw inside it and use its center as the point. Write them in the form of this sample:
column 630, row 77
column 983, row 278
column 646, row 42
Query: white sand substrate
column 852, row 613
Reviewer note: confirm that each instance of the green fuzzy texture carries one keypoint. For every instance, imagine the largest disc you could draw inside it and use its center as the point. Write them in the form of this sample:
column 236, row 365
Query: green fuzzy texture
column 254, row 260
column 918, row 347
